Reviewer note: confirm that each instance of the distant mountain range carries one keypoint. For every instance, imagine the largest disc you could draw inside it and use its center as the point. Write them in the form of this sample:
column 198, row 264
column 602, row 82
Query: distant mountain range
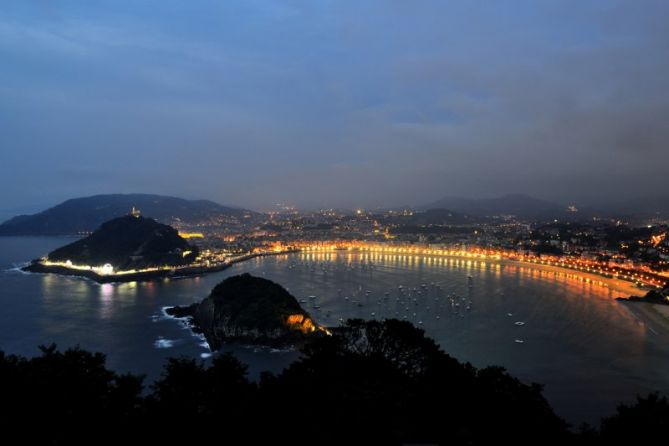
column 525, row 206
column 436, row 216
column 518, row 205
column 88, row 213
column 642, row 205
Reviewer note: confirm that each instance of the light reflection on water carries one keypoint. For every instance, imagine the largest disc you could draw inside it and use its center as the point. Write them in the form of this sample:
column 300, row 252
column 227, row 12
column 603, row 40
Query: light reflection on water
column 587, row 348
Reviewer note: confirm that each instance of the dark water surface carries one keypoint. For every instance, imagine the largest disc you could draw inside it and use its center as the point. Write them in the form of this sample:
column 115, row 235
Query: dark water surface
column 588, row 349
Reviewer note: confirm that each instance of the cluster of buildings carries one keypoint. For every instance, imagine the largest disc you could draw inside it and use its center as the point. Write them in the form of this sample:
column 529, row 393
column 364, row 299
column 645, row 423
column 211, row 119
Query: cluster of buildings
column 608, row 245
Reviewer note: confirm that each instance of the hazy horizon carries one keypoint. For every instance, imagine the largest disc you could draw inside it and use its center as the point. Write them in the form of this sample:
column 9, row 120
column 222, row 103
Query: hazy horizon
column 333, row 104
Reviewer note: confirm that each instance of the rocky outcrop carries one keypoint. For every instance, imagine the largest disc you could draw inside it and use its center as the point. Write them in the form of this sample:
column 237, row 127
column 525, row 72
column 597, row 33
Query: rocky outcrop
column 657, row 296
column 250, row 310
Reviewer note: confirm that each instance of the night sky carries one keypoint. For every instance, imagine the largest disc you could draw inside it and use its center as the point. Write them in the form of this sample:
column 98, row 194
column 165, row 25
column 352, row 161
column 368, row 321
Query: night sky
column 333, row 103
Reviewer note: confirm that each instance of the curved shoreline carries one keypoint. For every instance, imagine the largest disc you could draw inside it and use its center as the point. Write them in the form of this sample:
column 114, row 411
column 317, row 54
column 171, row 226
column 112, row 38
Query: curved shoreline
column 621, row 285
column 130, row 277
column 144, row 276
column 624, row 286
column 618, row 284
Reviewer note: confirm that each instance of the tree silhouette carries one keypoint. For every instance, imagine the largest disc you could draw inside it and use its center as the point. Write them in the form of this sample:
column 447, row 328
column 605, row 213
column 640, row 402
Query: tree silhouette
column 380, row 382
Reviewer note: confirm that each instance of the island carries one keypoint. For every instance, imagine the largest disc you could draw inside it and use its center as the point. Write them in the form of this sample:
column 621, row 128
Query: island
column 252, row 310
column 127, row 248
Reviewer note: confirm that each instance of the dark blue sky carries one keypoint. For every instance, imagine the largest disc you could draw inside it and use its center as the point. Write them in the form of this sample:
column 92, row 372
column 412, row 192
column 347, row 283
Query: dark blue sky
column 333, row 103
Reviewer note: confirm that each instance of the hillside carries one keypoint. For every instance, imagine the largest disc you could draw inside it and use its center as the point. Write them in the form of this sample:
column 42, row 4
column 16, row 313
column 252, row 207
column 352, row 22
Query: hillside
column 435, row 216
column 519, row 205
column 88, row 213
column 128, row 243
column 649, row 205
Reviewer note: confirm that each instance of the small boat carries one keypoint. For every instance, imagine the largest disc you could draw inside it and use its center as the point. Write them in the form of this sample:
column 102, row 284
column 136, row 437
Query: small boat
column 519, row 323
column 509, row 314
column 312, row 297
column 303, row 301
column 519, row 341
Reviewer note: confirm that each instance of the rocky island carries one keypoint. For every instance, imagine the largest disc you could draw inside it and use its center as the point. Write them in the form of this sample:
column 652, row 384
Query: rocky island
column 251, row 310
column 123, row 249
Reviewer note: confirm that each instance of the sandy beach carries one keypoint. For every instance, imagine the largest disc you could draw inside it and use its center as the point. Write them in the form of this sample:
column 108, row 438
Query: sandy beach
column 654, row 316
column 623, row 286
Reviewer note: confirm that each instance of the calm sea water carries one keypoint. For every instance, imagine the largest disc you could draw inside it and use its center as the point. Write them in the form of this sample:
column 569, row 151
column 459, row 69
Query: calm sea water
column 588, row 350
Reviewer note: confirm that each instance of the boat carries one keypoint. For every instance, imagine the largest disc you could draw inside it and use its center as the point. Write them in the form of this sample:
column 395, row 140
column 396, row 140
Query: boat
column 519, row 341
column 520, row 323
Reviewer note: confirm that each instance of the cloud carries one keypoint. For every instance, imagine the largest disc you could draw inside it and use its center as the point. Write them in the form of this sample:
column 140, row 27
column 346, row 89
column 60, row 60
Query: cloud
column 348, row 103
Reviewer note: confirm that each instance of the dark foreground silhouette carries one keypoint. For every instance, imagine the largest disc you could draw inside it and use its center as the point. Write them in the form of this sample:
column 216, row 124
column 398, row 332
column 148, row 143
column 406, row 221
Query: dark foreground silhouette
column 370, row 383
